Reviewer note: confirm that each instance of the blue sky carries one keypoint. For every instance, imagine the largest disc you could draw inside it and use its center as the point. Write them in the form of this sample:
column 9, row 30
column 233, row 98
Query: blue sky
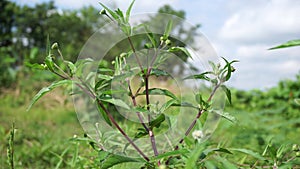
column 241, row 30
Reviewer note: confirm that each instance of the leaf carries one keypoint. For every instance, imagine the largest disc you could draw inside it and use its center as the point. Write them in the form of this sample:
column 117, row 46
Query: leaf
column 103, row 114
column 225, row 115
column 158, row 72
column 194, row 156
column 288, row 44
column 113, row 159
column 45, row 90
column 249, row 152
column 35, row 66
column 71, row 67
column 157, row 122
column 185, row 104
column 199, row 76
column 297, row 101
column 180, row 49
column 112, row 13
column 168, row 29
column 171, row 153
column 227, row 92
column 158, row 91
column 168, row 104
column 49, row 62
column 129, row 11
column 225, row 163
column 116, row 102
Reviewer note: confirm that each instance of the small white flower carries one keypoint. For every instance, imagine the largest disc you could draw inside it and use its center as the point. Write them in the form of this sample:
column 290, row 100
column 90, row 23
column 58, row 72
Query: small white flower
column 75, row 136
column 198, row 134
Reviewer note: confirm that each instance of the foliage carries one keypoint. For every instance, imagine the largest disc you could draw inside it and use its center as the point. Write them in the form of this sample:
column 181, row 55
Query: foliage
column 104, row 99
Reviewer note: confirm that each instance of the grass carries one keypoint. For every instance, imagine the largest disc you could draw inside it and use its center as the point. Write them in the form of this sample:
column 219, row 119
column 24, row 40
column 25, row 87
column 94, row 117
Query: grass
column 41, row 132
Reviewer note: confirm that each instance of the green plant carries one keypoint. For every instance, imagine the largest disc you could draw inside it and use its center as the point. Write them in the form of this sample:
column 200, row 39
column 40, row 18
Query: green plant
column 152, row 116
column 10, row 148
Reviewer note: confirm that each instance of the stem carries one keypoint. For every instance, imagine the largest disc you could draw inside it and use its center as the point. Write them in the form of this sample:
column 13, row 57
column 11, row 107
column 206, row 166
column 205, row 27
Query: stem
column 198, row 116
column 134, row 52
column 195, row 120
column 151, row 133
column 122, row 131
column 134, row 104
column 111, row 118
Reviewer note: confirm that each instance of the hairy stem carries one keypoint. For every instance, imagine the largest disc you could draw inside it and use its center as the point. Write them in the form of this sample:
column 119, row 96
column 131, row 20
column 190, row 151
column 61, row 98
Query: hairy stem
column 198, row 116
column 151, row 133
column 135, row 55
column 111, row 118
column 122, row 131
column 134, row 104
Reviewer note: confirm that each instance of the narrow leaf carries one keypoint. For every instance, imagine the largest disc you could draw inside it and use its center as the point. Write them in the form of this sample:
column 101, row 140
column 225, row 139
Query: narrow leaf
column 104, row 115
column 45, row 90
column 71, row 67
column 171, row 153
column 168, row 28
column 287, row 44
column 158, row 91
column 297, row 101
column 227, row 92
column 199, row 76
column 225, row 115
column 129, row 11
column 112, row 13
column 113, row 159
column 180, row 49
column 249, row 152
column 168, row 104
column 157, row 122
column 114, row 101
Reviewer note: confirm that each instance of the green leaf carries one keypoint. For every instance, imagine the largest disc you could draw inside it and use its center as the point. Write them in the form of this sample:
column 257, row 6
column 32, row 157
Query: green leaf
column 45, row 90
column 287, row 44
column 113, row 159
column 180, row 49
column 158, row 91
column 112, row 13
column 157, row 122
column 199, row 76
column 158, row 72
column 168, row 29
column 49, row 62
column 35, row 66
column 103, row 114
column 171, row 153
column 168, row 104
column 227, row 92
column 129, row 11
column 225, row 115
column 225, row 163
column 185, row 104
column 71, row 67
column 249, row 152
column 194, row 156
column 297, row 101
column 114, row 101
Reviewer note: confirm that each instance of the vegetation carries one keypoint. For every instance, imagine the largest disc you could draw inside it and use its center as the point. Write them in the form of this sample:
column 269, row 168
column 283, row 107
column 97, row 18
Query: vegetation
column 260, row 130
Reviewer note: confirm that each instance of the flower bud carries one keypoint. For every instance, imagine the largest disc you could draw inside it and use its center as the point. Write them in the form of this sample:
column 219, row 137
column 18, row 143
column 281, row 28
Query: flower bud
column 168, row 42
column 298, row 154
column 54, row 46
column 295, row 147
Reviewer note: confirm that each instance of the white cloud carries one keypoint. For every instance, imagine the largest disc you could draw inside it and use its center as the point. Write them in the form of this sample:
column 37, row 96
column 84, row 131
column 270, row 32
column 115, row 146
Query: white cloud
column 268, row 20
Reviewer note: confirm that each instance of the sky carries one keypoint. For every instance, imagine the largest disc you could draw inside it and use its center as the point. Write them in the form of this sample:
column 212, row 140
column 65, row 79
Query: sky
column 237, row 29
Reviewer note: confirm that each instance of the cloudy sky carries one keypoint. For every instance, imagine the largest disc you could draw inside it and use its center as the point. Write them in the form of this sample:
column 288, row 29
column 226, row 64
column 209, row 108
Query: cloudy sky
column 238, row 29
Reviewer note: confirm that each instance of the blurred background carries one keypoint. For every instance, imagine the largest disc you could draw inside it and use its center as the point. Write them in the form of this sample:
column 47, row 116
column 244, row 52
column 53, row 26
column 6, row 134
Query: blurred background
column 264, row 86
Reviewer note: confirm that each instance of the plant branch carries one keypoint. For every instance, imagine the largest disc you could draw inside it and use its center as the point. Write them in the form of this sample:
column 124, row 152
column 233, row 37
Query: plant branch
column 198, row 115
column 135, row 55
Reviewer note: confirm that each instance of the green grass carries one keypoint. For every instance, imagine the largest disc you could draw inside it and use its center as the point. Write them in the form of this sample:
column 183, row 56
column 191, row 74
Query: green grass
column 41, row 132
